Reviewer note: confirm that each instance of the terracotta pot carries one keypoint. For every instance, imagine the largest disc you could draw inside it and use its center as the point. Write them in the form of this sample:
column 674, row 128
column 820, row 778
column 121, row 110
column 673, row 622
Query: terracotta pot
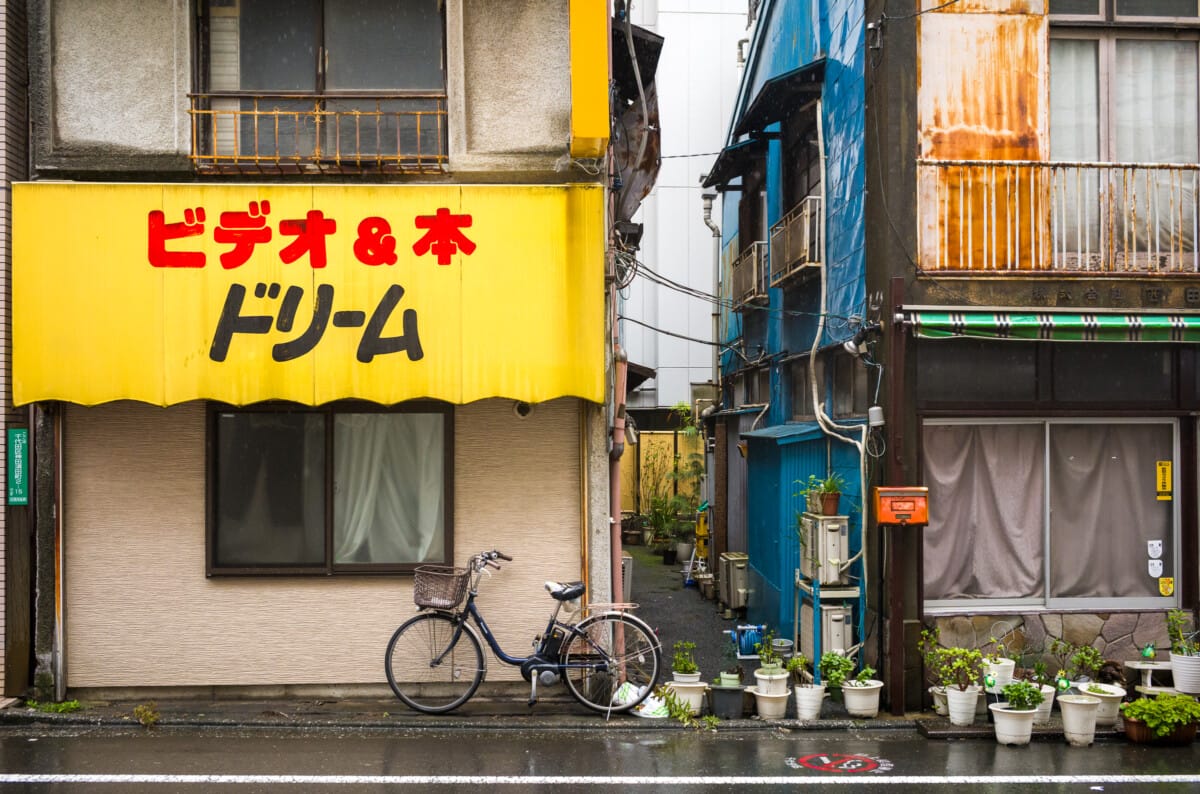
column 1138, row 732
column 829, row 503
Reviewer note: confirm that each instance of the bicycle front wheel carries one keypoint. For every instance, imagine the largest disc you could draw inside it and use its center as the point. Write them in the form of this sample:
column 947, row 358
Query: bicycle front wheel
column 612, row 663
column 429, row 667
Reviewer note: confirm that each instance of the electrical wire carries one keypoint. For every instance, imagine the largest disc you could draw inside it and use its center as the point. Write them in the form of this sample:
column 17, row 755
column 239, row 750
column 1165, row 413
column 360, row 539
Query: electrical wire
column 920, row 13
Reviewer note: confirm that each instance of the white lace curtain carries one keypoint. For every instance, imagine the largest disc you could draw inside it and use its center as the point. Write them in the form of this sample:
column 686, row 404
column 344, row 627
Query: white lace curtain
column 388, row 488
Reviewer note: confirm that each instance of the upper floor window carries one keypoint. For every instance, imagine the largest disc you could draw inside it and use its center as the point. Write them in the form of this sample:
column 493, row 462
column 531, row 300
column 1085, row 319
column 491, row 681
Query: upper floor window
column 1125, row 9
column 321, row 85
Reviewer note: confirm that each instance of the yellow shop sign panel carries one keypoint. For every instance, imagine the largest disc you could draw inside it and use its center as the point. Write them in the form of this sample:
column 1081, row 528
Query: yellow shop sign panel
column 242, row 293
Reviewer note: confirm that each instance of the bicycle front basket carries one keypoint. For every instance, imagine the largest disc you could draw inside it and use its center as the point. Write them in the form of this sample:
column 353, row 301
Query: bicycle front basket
column 439, row 586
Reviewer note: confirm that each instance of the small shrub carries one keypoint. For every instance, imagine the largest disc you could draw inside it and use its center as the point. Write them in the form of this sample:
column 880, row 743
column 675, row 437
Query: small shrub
column 835, row 668
column 146, row 713
column 1023, row 696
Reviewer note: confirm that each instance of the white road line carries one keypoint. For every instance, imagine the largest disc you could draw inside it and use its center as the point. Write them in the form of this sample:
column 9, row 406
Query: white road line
column 586, row 780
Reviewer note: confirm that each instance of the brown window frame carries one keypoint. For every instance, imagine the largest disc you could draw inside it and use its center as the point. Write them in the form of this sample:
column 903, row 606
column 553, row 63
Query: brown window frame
column 328, row 567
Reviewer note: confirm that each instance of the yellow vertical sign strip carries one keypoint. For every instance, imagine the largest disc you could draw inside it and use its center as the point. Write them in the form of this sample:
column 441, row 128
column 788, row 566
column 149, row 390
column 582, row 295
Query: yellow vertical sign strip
column 589, row 77
column 1164, row 481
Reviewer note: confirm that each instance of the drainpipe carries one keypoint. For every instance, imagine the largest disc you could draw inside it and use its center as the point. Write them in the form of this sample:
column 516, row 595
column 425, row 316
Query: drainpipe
column 621, row 365
column 716, row 315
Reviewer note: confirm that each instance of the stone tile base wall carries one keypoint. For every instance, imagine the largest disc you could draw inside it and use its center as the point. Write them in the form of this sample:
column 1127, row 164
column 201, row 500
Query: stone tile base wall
column 1119, row 636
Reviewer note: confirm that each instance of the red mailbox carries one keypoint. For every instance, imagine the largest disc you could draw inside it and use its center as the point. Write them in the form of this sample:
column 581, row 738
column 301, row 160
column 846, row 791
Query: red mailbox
column 901, row 505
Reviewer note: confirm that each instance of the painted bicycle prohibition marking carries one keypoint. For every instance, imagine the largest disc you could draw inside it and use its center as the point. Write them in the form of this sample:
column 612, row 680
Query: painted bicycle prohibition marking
column 841, row 763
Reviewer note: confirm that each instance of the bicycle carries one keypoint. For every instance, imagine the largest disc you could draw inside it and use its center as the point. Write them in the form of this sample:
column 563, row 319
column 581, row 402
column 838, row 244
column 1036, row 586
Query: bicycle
column 434, row 662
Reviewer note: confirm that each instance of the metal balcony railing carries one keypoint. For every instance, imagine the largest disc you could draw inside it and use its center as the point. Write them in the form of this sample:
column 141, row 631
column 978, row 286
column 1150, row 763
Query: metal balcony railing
column 1040, row 217
column 796, row 241
column 291, row 132
column 749, row 276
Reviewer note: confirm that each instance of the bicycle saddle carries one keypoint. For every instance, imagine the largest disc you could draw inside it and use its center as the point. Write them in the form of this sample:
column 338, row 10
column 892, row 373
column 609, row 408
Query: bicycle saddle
column 565, row 591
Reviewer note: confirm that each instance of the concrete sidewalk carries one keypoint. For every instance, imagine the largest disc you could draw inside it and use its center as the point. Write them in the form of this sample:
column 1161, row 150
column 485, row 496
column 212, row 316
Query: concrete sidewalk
column 389, row 713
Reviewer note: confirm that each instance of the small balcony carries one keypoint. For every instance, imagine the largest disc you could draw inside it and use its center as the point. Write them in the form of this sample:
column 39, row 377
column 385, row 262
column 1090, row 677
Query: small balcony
column 283, row 133
column 748, row 276
column 1015, row 217
column 796, row 241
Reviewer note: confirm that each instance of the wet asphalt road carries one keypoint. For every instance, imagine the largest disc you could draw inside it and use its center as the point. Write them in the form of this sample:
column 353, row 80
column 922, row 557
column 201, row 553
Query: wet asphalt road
column 514, row 760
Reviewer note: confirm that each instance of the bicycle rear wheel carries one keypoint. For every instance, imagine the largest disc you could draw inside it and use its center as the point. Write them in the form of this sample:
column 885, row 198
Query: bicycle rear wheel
column 425, row 671
column 610, row 651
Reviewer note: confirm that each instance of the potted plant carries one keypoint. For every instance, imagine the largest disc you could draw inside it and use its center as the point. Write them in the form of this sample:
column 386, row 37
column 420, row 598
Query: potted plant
column 1039, row 675
column 726, row 701
column 770, row 677
column 731, row 673
column 1163, row 719
column 809, row 695
column 930, row 648
column 1110, row 697
column 1185, row 653
column 998, row 666
column 1013, row 717
column 861, row 693
column 1079, row 718
column 829, row 491
column 835, row 669
column 812, row 495
column 960, row 670
column 683, row 662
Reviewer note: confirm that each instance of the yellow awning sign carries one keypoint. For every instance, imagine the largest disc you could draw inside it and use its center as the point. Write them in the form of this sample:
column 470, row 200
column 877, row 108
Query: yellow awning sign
column 243, row 293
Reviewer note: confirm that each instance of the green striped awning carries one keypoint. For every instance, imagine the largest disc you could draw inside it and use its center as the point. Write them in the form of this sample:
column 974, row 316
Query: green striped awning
column 1054, row 326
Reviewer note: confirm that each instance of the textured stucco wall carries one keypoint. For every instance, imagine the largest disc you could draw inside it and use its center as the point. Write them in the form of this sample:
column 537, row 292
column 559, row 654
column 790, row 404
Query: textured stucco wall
column 140, row 612
column 109, row 79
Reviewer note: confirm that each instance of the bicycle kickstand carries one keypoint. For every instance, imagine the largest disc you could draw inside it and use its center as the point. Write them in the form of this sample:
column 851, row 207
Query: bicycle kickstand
column 533, row 689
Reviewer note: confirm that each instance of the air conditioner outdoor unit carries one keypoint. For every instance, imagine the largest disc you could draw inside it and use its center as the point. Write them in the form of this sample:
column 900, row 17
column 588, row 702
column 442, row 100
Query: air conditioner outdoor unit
column 732, row 568
column 824, row 548
column 837, row 630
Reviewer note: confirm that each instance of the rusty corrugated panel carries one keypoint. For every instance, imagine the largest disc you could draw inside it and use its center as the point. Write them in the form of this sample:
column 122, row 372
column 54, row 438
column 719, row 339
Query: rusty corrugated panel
column 982, row 95
column 984, row 6
column 982, row 87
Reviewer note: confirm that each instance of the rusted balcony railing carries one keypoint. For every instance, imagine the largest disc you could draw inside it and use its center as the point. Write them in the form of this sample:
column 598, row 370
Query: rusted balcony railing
column 1041, row 217
column 749, row 275
column 796, row 241
column 305, row 133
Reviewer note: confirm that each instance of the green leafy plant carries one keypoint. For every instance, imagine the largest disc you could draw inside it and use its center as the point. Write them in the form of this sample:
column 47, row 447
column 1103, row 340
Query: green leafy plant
column 146, row 713
column 930, row 648
column 683, row 659
column 796, row 666
column 1022, row 695
column 1096, row 689
column 1039, row 673
column 767, row 657
column 1163, row 713
column 835, row 668
column 680, row 711
column 998, row 650
column 50, row 707
column 1183, row 641
column 834, row 483
column 1086, row 660
column 864, row 677
column 958, row 667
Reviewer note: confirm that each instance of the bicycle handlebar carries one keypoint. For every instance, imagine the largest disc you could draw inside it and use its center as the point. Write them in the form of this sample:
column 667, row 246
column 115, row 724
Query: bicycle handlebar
column 490, row 557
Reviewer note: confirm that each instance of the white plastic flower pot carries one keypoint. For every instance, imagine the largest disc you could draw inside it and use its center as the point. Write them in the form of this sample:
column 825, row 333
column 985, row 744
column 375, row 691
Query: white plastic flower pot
column 686, row 678
column 1110, row 697
column 1002, row 671
column 938, row 693
column 774, row 682
column 1012, row 726
column 1044, row 708
column 1185, row 674
column 691, row 695
column 770, row 706
column 961, row 704
column 1079, row 718
column 809, row 700
column 862, row 700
